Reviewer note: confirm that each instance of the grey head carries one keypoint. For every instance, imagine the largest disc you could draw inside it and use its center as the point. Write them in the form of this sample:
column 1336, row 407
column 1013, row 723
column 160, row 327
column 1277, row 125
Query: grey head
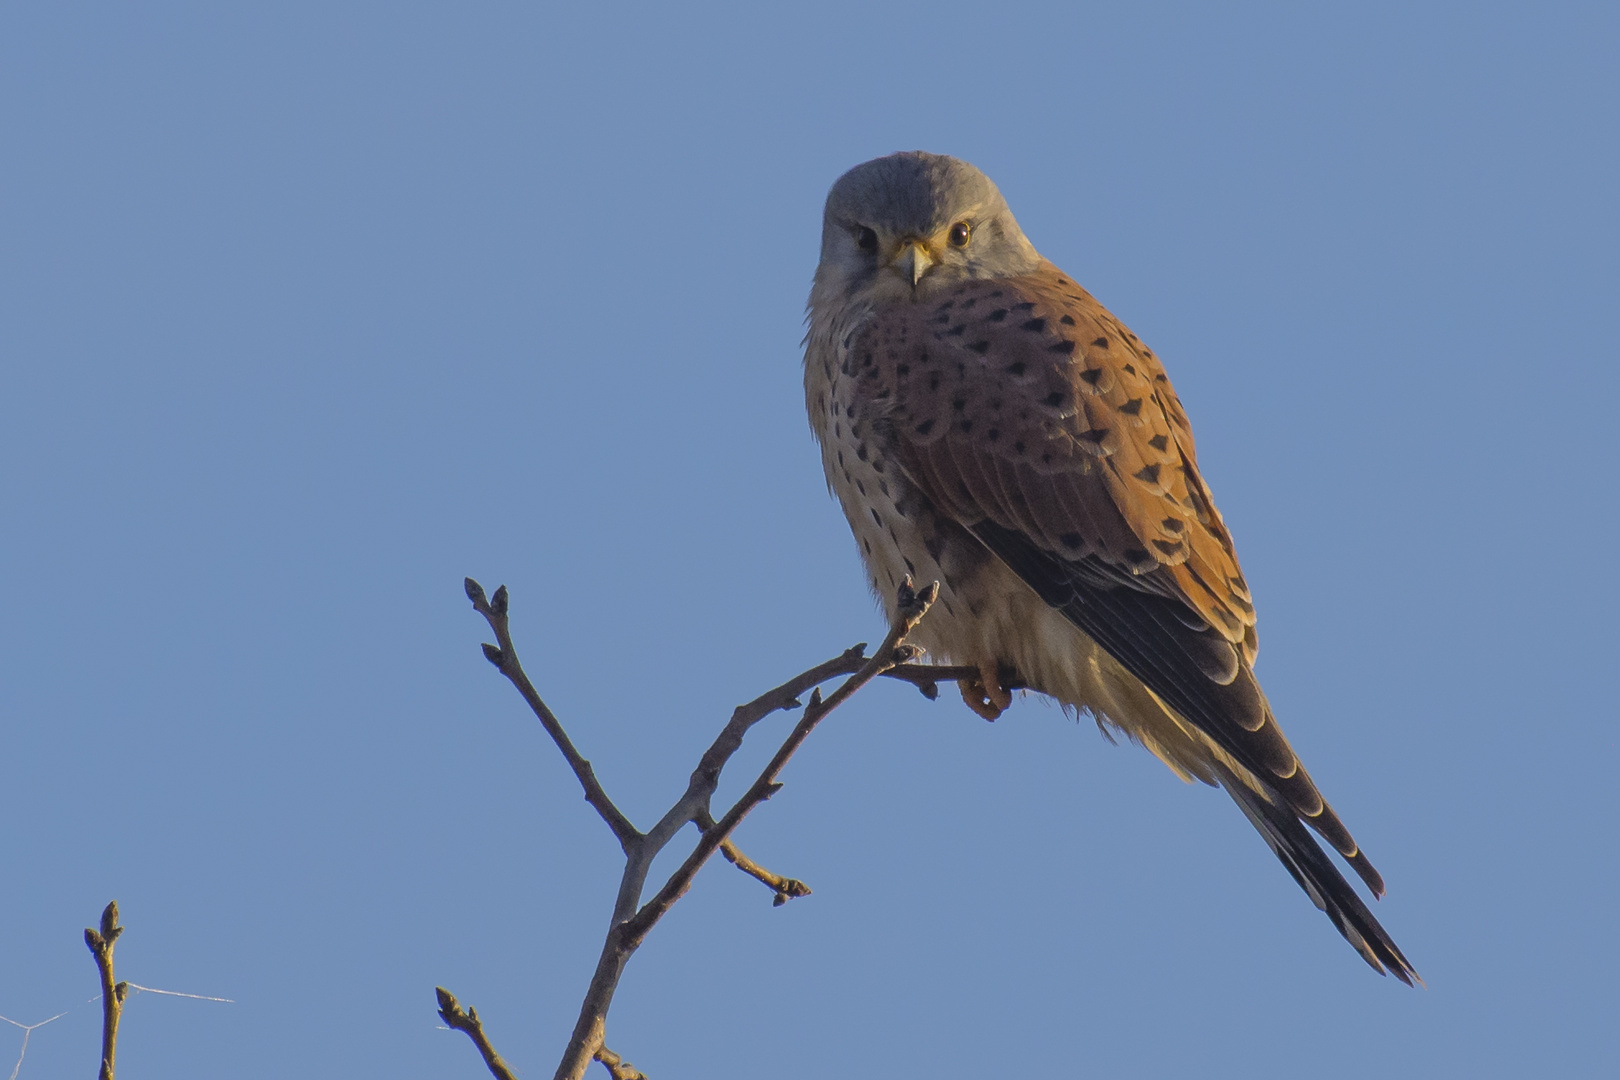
column 911, row 224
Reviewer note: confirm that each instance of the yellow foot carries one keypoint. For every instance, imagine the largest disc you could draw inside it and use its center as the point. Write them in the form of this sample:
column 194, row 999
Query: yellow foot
column 985, row 695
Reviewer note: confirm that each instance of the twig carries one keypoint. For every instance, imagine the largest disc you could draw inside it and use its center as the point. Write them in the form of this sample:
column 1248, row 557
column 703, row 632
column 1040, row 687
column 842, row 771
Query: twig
column 504, row 657
column 911, row 608
column 451, row 1012
column 112, row 995
column 620, row 1068
column 786, row 888
column 631, row 919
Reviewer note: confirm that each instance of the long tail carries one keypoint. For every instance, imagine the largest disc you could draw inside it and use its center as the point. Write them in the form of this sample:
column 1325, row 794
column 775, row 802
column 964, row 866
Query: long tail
column 1317, row 875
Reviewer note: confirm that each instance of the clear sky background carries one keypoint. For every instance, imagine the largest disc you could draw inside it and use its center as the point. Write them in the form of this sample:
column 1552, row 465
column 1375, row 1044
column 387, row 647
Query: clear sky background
column 308, row 310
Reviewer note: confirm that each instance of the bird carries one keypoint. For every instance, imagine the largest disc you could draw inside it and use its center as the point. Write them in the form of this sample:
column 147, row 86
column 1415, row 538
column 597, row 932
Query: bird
column 987, row 424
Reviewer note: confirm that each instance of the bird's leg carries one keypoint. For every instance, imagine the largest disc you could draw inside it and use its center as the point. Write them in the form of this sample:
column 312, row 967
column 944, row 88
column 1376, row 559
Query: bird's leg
column 986, row 695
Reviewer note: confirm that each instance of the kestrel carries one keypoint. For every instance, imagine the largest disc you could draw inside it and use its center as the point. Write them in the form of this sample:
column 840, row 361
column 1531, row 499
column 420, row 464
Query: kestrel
column 987, row 424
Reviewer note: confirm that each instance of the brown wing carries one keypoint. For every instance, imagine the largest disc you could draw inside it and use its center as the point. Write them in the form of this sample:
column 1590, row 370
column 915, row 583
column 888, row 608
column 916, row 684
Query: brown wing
column 1023, row 409
column 1024, row 401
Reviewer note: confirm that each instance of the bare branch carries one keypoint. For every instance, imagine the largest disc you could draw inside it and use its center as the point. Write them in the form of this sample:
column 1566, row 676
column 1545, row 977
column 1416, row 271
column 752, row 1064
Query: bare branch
column 112, row 994
column 631, row 920
column 451, row 1012
column 706, row 776
column 912, row 607
column 620, row 1068
column 504, row 657
column 786, row 888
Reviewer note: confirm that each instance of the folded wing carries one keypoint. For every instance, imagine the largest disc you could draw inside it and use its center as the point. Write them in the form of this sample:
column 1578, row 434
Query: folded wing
column 1022, row 409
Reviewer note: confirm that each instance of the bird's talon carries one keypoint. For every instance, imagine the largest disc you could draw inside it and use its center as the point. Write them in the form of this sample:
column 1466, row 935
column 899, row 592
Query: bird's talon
column 973, row 693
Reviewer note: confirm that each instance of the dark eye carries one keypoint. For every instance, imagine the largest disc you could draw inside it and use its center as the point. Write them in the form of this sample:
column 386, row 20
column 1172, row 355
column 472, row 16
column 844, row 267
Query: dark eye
column 961, row 233
column 867, row 239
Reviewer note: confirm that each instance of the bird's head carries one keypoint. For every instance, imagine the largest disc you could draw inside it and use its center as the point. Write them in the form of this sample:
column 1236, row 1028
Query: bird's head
column 906, row 226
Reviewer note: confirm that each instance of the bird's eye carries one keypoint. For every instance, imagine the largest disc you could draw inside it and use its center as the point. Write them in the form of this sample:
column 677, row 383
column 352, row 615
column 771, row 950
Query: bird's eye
column 961, row 233
column 867, row 239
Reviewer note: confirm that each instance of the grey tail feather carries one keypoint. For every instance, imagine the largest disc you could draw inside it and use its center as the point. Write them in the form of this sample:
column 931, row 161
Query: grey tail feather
column 1321, row 880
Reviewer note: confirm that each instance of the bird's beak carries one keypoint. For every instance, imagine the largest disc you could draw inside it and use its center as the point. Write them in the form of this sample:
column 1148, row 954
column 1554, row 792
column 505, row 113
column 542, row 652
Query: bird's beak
column 913, row 261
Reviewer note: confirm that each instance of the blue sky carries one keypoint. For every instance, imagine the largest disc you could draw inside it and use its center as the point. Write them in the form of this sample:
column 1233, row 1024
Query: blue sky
column 308, row 310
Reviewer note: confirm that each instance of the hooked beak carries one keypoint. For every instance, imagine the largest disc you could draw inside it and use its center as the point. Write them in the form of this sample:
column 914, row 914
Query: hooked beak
column 913, row 261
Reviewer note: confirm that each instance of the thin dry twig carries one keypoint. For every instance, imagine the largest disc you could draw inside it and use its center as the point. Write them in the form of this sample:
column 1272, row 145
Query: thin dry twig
column 912, row 607
column 453, row 1015
column 785, row 888
column 504, row 657
column 632, row 920
column 101, row 944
